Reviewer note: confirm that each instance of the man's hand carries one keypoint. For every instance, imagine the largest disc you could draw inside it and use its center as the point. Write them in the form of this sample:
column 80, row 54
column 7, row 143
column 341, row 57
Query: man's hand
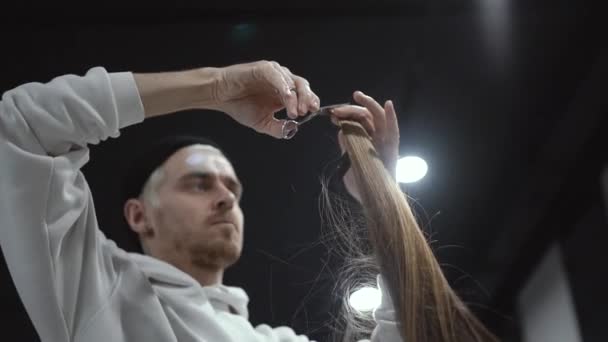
column 382, row 126
column 252, row 93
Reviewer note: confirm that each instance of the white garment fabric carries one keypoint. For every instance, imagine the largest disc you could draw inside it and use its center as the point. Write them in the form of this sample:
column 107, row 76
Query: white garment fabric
column 76, row 284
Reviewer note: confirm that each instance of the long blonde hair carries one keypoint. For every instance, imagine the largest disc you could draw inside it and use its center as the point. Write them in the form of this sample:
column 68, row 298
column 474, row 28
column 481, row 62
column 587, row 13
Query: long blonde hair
column 426, row 306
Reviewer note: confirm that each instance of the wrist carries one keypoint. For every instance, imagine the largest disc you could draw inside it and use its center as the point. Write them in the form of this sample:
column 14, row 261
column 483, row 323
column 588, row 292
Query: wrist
column 169, row 92
column 204, row 88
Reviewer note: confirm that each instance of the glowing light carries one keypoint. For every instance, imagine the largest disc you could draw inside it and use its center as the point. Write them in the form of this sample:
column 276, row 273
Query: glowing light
column 365, row 299
column 411, row 169
column 243, row 32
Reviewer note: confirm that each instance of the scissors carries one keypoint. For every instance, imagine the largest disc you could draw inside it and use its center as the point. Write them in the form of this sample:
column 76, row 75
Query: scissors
column 290, row 127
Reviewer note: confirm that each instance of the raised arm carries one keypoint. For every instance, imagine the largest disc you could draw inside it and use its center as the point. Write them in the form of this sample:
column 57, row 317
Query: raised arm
column 411, row 274
column 60, row 262
column 49, row 232
column 383, row 130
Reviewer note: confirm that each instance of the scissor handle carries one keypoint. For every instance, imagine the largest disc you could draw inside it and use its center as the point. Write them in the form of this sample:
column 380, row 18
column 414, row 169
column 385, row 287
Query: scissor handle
column 290, row 128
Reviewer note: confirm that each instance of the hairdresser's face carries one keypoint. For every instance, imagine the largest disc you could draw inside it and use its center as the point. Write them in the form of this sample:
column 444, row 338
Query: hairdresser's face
column 198, row 216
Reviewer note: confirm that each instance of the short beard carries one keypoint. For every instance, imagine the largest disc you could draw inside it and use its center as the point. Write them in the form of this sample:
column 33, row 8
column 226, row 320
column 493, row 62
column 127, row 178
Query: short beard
column 215, row 255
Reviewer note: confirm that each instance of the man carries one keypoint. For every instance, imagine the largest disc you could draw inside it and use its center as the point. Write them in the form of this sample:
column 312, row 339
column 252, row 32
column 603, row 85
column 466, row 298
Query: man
column 77, row 285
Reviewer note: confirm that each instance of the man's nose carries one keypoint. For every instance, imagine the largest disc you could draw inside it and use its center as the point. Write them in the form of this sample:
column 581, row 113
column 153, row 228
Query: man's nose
column 225, row 199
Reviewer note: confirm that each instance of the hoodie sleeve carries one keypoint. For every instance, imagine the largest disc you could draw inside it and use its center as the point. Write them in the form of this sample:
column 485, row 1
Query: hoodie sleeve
column 57, row 257
column 387, row 328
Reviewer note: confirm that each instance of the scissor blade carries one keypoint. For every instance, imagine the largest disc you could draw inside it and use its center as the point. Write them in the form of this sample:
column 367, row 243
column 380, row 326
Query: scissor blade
column 325, row 109
column 322, row 111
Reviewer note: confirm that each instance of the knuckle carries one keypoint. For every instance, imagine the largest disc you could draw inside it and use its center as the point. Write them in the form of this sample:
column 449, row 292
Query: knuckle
column 268, row 65
column 263, row 68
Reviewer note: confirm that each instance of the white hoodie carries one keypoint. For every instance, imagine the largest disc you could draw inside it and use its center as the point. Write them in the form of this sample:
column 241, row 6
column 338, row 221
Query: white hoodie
column 76, row 284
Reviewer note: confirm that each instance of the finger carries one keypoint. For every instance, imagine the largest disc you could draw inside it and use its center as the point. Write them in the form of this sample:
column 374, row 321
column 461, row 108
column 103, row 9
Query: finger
column 273, row 73
column 392, row 125
column 356, row 113
column 285, row 73
column 307, row 100
column 292, row 100
column 391, row 153
column 303, row 93
column 315, row 103
column 308, row 103
column 375, row 108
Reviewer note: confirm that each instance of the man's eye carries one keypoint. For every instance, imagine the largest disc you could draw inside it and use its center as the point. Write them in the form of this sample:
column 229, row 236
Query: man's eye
column 232, row 188
column 235, row 189
column 200, row 186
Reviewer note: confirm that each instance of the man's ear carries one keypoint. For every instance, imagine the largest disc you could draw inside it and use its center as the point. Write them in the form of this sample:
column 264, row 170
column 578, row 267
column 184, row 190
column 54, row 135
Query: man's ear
column 134, row 211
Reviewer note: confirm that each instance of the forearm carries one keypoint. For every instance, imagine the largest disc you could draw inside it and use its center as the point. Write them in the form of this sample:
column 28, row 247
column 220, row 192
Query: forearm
column 169, row 92
column 69, row 112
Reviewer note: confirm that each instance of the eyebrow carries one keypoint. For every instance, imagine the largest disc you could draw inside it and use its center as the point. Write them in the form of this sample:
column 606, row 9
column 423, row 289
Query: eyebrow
column 205, row 175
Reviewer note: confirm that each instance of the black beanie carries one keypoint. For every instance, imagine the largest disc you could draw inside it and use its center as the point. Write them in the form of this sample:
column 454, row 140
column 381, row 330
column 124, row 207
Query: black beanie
column 153, row 156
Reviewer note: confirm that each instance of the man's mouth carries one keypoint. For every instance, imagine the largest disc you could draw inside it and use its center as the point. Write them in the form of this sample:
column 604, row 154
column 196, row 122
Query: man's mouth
column 226, row 228
column 221, row 222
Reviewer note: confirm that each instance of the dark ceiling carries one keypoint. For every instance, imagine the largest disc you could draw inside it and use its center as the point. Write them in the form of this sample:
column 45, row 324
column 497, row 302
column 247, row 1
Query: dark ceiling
column 504, row 99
